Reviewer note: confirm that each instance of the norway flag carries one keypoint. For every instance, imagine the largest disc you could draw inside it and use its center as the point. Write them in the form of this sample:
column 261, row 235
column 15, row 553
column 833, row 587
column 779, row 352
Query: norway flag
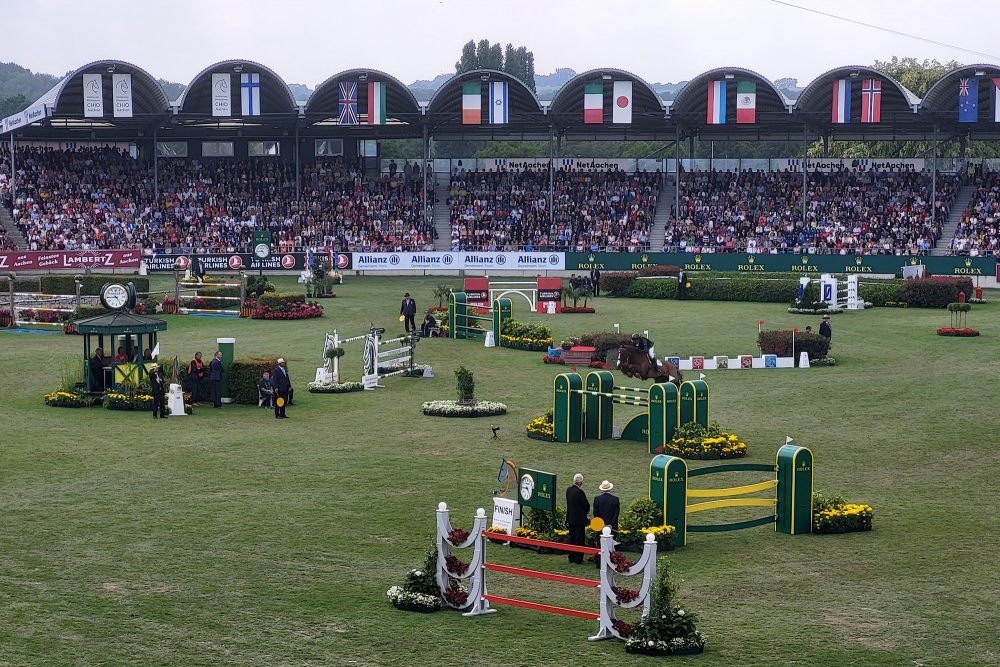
column 841, row 101
column 871, row 101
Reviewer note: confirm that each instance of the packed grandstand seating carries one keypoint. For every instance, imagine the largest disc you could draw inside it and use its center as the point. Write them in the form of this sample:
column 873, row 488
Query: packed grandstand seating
column 978, row 233
column 103, row 198
column 847, row 212
column 607, row 210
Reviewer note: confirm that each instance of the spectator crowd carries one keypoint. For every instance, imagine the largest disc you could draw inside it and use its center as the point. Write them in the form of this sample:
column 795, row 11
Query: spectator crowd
column 978, row 232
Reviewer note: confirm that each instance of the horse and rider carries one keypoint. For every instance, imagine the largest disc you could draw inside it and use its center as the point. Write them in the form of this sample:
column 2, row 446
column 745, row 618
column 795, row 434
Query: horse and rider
column 637, row 359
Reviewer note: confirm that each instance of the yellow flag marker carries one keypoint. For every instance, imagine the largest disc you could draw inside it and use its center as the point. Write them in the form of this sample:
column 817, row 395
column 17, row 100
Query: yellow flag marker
column 597, row 524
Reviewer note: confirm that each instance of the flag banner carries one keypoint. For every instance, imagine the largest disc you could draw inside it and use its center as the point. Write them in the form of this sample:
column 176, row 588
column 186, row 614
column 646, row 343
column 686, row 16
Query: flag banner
column 621, row 110
column 716, row 102
column 593, row 103
column 996, row 100
column 222, row 96
column 746, row 102
column 841, row 101
column 347, row 113
column 871, row 101
column 250, row 94
column 121, row 95
column 968, row 100
column 498, row 103
column 472, row 103
column 376, row 103
column 93, row 96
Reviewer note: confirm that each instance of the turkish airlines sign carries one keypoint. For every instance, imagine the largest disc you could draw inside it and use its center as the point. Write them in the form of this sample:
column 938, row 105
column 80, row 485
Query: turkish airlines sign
column 216, row 263
column 69, row 259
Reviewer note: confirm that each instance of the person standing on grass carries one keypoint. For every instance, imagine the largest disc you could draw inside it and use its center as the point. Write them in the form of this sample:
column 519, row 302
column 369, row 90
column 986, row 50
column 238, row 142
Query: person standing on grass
column 408, row 309
column 577, row 508
column 157, row 383
column 196, row 371
column 595, row 281
column 825, row 329
column 282, row 385
column 607, row 506
column 215, row 371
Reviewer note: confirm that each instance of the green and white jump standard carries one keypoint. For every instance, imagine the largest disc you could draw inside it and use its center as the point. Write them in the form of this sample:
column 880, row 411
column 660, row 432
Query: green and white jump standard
column 790, row 507
column 460, row 319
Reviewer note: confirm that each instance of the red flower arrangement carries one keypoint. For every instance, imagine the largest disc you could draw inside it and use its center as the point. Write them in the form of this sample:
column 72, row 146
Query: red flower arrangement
column 577, row 309
column 458, row 536
column 455, row 566
column 69, row 328
column 456, row 597
column 45, row 316
column 624, row 629
column 625, row 595
column 297, row 310
column 600, row 365
column 620, row 561
column 954, row 331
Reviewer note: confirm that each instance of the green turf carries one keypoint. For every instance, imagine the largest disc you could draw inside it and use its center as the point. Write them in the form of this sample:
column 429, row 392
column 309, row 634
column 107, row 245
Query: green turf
column 232, row 538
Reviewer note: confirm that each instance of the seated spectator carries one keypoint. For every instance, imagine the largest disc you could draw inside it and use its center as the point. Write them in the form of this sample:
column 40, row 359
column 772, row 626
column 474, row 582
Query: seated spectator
column 265, row 391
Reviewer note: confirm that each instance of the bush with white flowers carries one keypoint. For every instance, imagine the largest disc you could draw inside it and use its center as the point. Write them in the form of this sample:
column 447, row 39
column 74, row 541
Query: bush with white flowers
column 453, row 409
column 420, row 592
column 669, row 628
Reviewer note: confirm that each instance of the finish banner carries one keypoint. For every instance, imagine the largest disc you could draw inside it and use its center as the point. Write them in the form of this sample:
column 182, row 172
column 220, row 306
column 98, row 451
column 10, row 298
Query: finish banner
column 765, row 263
column 454, row 261
column 289, row 261
column 69, row 259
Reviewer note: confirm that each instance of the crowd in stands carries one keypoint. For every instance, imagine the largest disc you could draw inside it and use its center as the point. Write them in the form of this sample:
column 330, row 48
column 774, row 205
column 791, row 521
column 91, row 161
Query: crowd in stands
column 502, row 210
column 103, row 198
column 847, row 212
column 978, row 232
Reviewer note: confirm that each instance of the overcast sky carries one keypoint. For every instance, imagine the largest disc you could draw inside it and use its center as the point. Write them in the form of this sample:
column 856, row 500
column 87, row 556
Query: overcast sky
column 659, row 40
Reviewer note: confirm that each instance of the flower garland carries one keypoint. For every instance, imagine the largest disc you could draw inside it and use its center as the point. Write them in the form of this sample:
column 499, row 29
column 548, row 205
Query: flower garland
column 455, row 566
column 625, row 595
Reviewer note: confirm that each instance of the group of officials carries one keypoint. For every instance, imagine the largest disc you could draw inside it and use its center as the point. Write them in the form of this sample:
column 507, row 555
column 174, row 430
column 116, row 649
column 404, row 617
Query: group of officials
column 606, row 507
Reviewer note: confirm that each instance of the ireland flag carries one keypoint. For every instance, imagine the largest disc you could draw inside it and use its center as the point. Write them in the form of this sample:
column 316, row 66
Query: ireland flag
column 593, row 103
column 472, row 103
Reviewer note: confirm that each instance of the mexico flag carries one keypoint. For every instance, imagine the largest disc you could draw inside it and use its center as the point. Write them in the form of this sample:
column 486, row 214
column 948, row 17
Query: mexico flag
column 472, row 103
column 746, row 102
column 716, row 103
column 593, row 103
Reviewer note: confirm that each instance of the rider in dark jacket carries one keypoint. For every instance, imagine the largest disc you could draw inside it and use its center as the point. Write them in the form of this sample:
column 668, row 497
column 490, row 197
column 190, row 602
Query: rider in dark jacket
column 643, row 344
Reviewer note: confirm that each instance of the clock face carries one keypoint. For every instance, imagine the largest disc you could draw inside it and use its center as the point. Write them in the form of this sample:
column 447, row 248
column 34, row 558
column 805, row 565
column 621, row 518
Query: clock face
column 262, row 250
column 527, row 487
column 115, row 296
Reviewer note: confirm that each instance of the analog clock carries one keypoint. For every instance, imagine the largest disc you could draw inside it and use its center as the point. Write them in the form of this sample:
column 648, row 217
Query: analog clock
column 114, row 296
column 262, row 250
column 527, row 487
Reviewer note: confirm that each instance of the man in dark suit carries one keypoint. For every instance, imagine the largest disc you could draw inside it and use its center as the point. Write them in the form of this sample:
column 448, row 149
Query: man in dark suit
column 282, row 385
column 825, row 329
column 607, row 505
column 577, row 508
column 408, row 309
column 97, row 370
column 215, row 377
column 157, row 383
column 595, row 281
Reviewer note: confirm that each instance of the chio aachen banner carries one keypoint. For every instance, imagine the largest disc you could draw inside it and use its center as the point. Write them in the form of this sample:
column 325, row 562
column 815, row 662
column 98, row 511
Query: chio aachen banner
column 760, row 262
column 215, row 263
column 29, row 260
column 454, row 261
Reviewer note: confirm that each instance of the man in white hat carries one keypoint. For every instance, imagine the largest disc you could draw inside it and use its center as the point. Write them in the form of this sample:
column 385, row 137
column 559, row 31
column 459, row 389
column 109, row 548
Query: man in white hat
column 607, row 505
column 157, row 385
column 282, row 385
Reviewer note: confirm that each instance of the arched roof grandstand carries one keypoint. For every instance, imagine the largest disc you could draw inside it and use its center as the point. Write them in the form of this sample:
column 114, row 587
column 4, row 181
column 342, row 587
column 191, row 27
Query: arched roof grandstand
column 708, row 105
column 941, row 103
column 268, row 98
column 577, row 119
column 515, row 113
column 366, row 91
column 854, row 114
column 65, row 100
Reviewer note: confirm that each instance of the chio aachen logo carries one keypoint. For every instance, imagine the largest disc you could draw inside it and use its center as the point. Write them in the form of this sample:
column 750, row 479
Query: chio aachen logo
column 394, row 260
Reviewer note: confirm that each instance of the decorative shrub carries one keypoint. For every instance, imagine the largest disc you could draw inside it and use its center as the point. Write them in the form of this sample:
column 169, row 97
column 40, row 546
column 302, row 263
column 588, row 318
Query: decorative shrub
column 665, row 288
column 638, row 514
column 253, row 282
column 779, row 342
column 742, row 288
column 935, row 292
column 833, row 514
column 617, row 283
column 668, row 628
column 881, row 292
column 244, row 374
column 693, row 441
column 291, row 310
column 604, row 342
column 535, row 337
column 91, row 284
column 456, row 409
column 219, row 291
column 89, row 311
column 465, row 385
column 45, row 316
column 420, row 592
column 658, row 270
column 275, row 300
column 68, row 399
column 542, row 428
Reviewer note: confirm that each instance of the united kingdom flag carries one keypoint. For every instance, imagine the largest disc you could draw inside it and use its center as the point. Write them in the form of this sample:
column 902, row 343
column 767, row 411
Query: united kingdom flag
column 348, row 114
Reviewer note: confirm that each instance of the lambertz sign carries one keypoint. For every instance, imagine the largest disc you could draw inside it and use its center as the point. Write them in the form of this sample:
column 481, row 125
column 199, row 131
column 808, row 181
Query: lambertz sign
column 69, row 259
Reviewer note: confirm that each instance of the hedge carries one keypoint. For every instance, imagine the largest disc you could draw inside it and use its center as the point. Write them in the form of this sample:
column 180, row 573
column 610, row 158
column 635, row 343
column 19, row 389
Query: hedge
column 218, row 291
column 244, row 374
column 780, row 290
column 659, row 271
column 779, row 342
column 64, row 284
column 616, row 283
column 665, row 288
column 935, row 292
column 881, row 292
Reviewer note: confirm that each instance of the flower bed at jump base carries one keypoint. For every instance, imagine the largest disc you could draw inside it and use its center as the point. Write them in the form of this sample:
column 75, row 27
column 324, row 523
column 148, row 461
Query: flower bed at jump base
column 334, row 387
column 693, row 441
column 835, row 515
column 458, row 409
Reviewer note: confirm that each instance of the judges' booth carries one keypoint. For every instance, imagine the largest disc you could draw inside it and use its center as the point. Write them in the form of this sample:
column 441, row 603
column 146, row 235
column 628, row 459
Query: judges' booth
column 117, row 348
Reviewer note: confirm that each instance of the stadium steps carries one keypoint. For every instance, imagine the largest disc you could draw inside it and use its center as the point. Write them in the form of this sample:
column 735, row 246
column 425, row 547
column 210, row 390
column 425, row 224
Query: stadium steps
column 13, row 233
column 954, row 217
column 668, row 191
column 442, row 214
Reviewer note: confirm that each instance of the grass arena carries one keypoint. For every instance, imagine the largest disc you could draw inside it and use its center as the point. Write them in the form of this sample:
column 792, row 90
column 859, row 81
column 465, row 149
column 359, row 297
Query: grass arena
column 232, row 538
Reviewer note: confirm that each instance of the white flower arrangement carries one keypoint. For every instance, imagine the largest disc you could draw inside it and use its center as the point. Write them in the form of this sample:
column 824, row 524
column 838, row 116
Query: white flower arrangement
column 403, row 598
column 334, row 388
column 693, row 643
column 453, row 409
